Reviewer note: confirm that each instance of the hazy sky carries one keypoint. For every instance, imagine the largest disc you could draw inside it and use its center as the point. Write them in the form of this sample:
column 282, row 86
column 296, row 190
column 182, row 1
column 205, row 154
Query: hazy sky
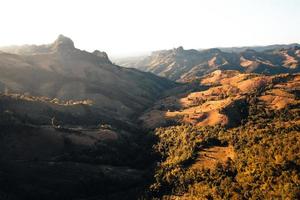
column 124, row 27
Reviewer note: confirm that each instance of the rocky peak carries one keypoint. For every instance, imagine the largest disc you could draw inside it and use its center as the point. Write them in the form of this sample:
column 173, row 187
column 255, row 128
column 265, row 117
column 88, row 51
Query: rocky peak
column 63, row 43
column 178, row 50
column 101, row 54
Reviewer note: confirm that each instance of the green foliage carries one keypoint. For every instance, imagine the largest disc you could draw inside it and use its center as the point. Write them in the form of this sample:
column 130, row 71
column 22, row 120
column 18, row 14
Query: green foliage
column 176, row 146
column 266, row 165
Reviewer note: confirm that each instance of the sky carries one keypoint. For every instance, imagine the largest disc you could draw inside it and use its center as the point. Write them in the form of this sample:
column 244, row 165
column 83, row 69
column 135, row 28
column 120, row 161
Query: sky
column 130, row 27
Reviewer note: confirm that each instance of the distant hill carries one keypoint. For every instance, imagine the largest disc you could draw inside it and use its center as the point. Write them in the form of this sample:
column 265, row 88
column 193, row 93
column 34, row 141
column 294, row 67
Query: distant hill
column 184, row 65
column 259, row 48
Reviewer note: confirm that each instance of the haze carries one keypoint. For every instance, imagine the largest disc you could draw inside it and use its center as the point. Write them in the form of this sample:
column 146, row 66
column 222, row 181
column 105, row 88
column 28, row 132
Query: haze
column 123, row 28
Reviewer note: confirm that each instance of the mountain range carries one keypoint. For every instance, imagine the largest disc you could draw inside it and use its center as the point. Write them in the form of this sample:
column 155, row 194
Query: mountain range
column 185, row 65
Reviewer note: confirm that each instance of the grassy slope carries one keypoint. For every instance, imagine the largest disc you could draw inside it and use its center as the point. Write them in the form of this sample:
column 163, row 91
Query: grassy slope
column 256, row 159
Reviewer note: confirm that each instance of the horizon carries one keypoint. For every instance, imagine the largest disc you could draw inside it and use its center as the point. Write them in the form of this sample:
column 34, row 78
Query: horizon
column 147, row 53
column 132, row 28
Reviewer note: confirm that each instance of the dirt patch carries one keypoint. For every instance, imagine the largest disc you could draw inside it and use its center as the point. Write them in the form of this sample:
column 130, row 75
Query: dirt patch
column 216, row 77
column 277, row 99
column 254, row 84
column 208, row 158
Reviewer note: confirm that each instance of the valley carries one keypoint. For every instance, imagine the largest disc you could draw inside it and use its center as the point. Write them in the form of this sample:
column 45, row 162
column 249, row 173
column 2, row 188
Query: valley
column 198, row 124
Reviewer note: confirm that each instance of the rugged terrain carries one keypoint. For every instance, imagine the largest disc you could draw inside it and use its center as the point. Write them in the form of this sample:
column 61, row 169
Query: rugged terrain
column 67, row 121
column 238, row 138
column 184, row 65
column 224, row 100
column 59, row 70
column 73, row 125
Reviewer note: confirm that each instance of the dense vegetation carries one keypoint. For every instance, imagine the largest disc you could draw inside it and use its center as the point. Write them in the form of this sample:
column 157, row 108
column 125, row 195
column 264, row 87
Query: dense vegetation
column 266, row 163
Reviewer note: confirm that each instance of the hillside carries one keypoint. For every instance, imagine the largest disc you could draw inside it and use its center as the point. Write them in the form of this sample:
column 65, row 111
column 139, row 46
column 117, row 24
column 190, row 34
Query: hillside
column 59, row 70
column 237, row 138
column 225, row 101
column 68, row 124
column 184, row 65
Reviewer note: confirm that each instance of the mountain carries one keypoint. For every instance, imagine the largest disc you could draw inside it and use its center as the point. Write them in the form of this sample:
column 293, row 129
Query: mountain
column 59, row 70
column 68, row 124
column 184, row 65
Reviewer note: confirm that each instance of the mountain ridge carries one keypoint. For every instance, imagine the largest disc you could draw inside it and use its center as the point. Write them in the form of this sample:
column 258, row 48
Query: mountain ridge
column 62, row 71
column 184, row 65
